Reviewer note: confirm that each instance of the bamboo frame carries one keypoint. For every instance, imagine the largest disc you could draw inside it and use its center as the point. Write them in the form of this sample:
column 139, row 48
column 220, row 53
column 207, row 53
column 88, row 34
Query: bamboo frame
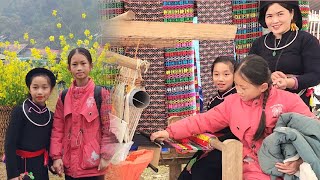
column 122, row 31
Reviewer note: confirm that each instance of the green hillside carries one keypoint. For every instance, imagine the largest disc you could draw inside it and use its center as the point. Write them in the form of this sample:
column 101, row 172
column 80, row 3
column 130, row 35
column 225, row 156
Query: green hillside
column 34, row 17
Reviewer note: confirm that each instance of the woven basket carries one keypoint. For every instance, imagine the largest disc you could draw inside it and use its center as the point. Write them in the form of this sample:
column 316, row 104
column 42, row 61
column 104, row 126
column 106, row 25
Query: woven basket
column 5, row 112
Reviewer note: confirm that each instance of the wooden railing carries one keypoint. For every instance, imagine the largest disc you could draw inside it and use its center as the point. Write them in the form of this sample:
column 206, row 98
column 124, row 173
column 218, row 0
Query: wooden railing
column 314, row 23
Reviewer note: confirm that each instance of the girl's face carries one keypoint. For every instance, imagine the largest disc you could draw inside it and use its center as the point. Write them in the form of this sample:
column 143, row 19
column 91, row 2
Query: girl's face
column 40, row 89
column 80, row 67
column 246, row 90
column 222, row 76
column 278, row 19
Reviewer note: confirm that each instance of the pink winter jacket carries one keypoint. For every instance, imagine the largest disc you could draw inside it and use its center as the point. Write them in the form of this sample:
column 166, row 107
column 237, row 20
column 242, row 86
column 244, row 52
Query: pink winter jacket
column 243, row 119
column 77, row 137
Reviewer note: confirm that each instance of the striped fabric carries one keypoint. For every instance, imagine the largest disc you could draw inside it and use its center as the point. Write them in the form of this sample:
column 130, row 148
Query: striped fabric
column 110, row 8
column 245, row 16
column 304, row 8
column 145, row 10
column 179, row 63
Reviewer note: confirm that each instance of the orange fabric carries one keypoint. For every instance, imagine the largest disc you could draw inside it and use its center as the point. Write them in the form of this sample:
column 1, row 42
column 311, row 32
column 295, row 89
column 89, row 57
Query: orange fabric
column 132, row 167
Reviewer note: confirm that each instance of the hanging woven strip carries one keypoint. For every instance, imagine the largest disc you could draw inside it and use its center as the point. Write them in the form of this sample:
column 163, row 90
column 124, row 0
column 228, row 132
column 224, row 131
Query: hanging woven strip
column 213, row 12
column 304, row 8
column 154, row 116
column 179, row 63
column 245, row 16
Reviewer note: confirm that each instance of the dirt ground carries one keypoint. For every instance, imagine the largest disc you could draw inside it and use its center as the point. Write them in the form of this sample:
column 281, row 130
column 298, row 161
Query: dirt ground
column 148, row 174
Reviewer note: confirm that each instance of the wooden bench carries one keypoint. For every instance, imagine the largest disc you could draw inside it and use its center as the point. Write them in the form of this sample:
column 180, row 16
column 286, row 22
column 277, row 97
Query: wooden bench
column 231, row 157
column 174, row 160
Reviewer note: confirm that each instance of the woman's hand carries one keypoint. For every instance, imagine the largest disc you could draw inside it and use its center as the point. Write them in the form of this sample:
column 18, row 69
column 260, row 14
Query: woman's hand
column 103, row 164
column 279, row 80
column 290, row 167
column 160, row 135
column 278, row 74
column 58, row 167
column 280, row 83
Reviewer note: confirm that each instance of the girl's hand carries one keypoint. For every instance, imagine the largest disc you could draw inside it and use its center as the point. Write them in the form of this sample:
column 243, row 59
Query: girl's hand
column 58, row 167
column 103, row 164
column 160, row 135
column 289, row 167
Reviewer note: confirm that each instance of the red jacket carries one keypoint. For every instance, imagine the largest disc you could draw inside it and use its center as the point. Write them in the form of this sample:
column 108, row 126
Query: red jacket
column 243, row 119
column 77, row 137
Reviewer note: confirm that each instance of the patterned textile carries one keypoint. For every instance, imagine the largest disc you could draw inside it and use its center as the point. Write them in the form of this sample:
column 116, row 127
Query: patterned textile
column 179, row 63
column 304, row 8
column 245, row 16
column 154, row 116
column 178, row 11
column 214, row 12
column 145, row 10
column 110, row 8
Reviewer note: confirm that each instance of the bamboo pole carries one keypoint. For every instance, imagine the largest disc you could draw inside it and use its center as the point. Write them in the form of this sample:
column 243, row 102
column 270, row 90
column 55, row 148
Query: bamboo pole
column 122, row 31
column 128, row 61
column 167, row 30
column 127, row 16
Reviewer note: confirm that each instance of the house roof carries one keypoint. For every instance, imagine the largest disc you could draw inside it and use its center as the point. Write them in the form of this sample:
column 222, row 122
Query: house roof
column 16, row 49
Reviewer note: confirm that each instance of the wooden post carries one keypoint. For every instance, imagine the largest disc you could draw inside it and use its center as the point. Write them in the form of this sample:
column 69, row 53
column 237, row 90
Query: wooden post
column 174, row 171
column 231, row 158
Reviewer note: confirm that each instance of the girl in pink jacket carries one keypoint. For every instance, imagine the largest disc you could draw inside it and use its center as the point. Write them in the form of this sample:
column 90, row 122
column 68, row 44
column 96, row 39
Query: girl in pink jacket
column 81, row 143
column 251, row 115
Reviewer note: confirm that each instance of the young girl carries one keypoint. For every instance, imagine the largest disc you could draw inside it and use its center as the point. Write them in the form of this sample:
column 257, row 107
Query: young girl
column 81, row 143
column 28, row 134
column 251, row 115
column 203, row 164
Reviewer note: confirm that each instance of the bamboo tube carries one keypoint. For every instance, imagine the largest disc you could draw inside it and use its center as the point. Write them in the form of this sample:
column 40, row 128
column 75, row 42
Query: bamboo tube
column 127, row 16
column 129, row 62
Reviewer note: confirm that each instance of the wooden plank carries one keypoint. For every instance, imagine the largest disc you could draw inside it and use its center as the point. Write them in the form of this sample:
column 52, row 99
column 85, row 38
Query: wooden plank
column 150, row 31
column 174, row 171
column 232, row 160
column 134, row 42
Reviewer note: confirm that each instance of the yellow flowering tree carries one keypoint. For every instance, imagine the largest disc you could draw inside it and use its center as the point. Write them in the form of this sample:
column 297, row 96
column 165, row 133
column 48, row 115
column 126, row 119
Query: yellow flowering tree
column 12, row 77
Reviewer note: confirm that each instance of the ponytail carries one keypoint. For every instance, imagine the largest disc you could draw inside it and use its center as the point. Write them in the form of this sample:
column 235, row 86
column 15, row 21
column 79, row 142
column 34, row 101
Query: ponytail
column 262, row 124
